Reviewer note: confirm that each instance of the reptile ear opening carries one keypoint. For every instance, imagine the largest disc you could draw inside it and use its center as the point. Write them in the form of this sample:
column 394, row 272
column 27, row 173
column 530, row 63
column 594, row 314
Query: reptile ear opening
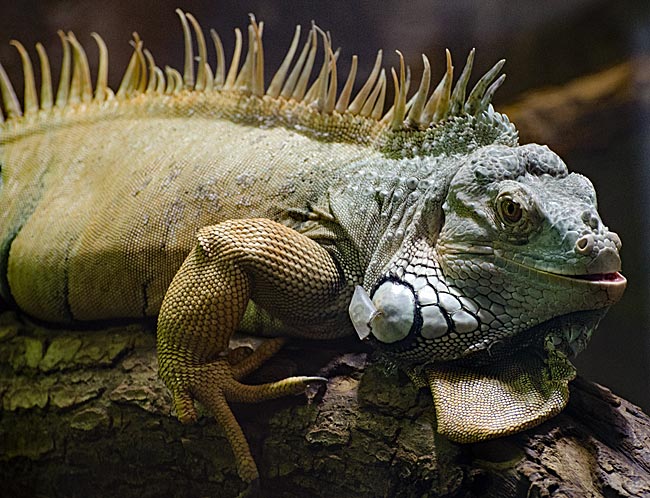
column 476, row 403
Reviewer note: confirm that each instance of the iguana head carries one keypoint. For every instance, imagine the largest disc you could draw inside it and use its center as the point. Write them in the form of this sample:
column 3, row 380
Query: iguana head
column 521, row 244
column 523, row 240
column 519, row 275
column 510, row 278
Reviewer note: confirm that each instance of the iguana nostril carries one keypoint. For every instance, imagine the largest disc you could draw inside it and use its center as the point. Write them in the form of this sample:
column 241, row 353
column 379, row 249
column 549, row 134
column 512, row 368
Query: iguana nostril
column 585, row 244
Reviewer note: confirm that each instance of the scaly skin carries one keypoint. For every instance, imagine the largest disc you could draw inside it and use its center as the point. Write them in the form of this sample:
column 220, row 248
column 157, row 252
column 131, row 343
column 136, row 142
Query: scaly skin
column 210, row 293
column 217, row 203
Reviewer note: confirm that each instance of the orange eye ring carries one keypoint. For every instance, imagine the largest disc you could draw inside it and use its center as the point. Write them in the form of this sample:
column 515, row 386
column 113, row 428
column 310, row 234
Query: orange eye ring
column 510, row 211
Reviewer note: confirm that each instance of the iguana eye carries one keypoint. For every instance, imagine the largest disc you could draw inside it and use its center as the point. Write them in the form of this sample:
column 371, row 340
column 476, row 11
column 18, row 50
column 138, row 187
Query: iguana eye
column 509, row 210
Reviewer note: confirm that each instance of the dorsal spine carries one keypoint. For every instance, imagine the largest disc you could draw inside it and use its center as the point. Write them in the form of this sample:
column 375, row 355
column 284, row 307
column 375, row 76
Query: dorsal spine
column 290, row 82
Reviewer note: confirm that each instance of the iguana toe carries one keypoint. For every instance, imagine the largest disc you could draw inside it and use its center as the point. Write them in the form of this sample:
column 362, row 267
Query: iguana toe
column 247, row 364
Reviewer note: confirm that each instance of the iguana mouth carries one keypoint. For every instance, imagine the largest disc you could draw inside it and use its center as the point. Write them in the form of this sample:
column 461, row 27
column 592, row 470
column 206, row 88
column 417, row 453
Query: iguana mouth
column 614, row 283
column 614, row 277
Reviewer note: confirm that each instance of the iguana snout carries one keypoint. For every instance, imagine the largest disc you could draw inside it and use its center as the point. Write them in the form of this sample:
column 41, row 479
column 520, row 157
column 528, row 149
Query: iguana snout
column 600, row 246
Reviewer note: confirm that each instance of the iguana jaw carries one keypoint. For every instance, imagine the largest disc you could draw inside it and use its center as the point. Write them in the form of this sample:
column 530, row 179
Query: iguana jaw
column 506, row 386
column 606, row 275
column 502, row 386
column 605, row 267
column 609, row 279
column 462, row 302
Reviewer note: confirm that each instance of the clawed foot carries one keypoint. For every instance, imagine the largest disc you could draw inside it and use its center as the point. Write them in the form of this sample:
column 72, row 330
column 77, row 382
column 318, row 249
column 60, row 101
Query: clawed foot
column 217, row 383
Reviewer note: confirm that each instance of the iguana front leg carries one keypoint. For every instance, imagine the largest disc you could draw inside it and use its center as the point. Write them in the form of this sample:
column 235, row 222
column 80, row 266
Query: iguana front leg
column 282, row 271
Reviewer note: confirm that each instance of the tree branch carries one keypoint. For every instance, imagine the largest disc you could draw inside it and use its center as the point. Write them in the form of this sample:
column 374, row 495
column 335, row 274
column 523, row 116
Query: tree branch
column 84, row 414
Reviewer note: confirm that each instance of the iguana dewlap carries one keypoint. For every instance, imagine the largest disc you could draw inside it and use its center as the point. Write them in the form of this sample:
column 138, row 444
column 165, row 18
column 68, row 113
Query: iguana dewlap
column 220, row 202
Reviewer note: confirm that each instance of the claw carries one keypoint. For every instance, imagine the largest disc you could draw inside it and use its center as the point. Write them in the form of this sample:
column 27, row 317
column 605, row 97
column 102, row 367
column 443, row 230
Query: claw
column 310, row 381
column 216, row 384
column 314, row 387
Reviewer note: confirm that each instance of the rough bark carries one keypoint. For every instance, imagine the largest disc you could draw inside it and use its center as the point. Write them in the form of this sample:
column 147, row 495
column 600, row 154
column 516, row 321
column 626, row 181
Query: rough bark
column 84, row 414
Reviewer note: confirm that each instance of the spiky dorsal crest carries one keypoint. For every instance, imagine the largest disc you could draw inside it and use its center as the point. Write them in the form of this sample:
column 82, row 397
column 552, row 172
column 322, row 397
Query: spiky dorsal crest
column 290, row 83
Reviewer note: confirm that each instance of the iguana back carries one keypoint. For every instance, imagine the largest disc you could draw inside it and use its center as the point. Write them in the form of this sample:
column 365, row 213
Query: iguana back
column 119, row 199
column 102, row 197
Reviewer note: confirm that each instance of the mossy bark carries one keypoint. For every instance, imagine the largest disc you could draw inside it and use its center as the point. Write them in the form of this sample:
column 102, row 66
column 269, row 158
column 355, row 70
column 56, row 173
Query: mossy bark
column 84, row 414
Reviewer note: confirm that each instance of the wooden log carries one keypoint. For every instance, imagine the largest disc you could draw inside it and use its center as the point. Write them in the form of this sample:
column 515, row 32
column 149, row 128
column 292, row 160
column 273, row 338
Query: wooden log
column 85, row 414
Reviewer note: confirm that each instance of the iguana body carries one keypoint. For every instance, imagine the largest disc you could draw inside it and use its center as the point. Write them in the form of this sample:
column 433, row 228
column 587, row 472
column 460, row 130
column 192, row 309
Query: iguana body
column 218, row 204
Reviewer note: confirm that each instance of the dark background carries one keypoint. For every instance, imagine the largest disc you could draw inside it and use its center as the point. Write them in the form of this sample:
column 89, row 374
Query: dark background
column 545, row 43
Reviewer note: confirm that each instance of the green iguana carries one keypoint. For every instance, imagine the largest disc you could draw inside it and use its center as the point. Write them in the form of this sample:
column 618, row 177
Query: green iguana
column 217, row 202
